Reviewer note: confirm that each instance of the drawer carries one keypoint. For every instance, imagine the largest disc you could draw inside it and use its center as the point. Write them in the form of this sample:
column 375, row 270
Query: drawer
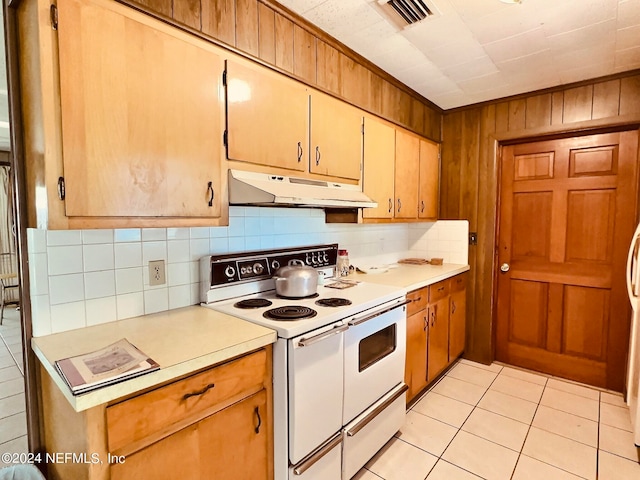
column 418, row 300
column 136, row 418
column 459, row 282
column 438, row 291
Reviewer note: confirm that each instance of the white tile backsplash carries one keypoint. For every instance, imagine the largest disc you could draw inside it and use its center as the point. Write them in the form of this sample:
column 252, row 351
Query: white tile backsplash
column 102, row 275
column 98, row 257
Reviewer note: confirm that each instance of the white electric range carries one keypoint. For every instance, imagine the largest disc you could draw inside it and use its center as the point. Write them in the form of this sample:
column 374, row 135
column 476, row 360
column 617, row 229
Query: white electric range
column 339, row 392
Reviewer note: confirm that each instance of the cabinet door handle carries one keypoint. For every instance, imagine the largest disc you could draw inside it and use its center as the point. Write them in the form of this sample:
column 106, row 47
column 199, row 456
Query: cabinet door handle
column 453, row 306
column 257, row 412
column 210, row 189
column 422, row 206
column 61, row 187
column 199, row 392
column 299, row 151
column 399, row 205
column 318, row 155
column 426, row 323
column 433, row 315
column 390, row 205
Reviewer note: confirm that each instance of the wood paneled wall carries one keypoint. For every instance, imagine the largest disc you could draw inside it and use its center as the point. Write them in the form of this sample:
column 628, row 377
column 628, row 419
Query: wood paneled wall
column 267, row 31
column 469, row 178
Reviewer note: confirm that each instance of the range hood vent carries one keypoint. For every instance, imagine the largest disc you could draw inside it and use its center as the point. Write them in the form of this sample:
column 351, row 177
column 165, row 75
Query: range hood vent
column 263, row 189
column 407, row 12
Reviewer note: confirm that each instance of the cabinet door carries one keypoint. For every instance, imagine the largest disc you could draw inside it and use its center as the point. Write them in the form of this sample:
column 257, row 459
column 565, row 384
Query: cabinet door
column 416, row 363
column 429, row 180
column 141, row 115
column 234, row 443
column 438, row 355
column 336, row 137
column 378, row 178
column 406, row 174
column 457, row 318
column 175, row 456
column 267, row 117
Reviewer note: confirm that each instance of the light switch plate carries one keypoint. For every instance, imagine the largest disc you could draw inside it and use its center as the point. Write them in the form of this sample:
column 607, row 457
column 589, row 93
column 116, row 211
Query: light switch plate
column 157, row 274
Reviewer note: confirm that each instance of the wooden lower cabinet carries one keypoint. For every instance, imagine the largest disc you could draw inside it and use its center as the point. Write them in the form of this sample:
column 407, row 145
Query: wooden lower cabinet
column 230, row 444
column 216, row 423
column 435, row 331
column 417, row 332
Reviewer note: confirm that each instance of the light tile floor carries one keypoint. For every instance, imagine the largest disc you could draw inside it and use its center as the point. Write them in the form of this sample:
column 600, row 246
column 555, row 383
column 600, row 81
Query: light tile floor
column 501, row 423
column 13, row 422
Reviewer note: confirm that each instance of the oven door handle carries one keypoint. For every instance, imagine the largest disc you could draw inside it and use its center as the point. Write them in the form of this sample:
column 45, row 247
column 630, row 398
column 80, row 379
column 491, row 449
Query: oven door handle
column 305, row 342
column 366, row 420
column 358, row 321
column 306, row 463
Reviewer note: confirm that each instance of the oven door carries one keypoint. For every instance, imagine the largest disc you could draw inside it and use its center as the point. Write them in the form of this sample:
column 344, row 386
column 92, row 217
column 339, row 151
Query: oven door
column 315, row 389
column 374, row 355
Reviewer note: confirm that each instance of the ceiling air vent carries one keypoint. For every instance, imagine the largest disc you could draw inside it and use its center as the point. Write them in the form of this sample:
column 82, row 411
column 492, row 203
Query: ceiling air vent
column 410, row 11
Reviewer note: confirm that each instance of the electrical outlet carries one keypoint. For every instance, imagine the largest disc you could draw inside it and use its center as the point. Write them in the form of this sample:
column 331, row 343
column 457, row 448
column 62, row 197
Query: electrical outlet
column 156, row 273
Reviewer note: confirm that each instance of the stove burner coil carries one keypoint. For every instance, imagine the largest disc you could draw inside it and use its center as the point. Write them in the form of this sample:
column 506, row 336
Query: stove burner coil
column 253, row 303
column 333, row 302
column 290, row 312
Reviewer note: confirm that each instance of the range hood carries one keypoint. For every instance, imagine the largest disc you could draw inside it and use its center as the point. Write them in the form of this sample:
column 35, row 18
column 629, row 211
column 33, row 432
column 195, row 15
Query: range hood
column 250, row 188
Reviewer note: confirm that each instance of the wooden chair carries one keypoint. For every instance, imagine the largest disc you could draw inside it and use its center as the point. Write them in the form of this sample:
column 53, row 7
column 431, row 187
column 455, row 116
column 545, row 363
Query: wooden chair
column 8, row 280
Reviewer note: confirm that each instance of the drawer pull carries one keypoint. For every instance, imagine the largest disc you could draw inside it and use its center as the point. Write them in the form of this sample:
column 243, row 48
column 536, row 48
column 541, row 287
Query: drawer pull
column 199, row 392
column 417, row 299
column 257, row 412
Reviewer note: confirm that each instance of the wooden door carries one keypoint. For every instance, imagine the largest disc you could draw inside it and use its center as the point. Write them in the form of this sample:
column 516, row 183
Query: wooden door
column 429, row 189
column 379, row 160
column 267, row 117
column 406, row 174
column 336, row 138
column 140, row 126
column 438, row 356
column 234, row 443
column 567, row 213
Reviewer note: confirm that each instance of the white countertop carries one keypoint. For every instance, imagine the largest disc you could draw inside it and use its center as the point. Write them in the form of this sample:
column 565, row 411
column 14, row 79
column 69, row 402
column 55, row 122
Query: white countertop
column 412, row 277
column 182, row 341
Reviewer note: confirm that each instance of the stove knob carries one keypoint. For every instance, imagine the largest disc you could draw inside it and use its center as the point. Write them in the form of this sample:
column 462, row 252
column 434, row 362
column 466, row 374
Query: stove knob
column 275, row 265
column 308, row 258
column 230, row 271
column 258, row 268
column 314, row 258
column 325, row 257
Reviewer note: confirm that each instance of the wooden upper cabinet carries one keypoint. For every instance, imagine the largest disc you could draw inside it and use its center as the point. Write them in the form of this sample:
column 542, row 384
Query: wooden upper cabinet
column 267, row 117
column 428, row 192
column 336, row 137
column 406, row 174
column 140, row 126
column 379, row 154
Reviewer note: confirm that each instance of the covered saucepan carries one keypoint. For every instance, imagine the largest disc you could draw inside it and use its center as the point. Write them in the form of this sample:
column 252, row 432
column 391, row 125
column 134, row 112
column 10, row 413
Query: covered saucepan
column 296, row 280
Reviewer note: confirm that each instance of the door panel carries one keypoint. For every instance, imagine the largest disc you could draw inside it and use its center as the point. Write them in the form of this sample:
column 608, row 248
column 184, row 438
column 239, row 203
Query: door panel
column 379, row 171
column 567, row 213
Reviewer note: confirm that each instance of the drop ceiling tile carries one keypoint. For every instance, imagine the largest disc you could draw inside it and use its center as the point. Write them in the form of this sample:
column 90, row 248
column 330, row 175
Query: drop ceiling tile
column 482, row 84
column 567, row 16
column 628, row 13
column 502, row 24
column 301, row 6
column 343, row 16
column 628, row 37
column 479, row 8
column 537, row 62
column 585, row 72
column 628, row 59
column 477, row 67
column 592, row 35
column 454, row 53
column 526, row 43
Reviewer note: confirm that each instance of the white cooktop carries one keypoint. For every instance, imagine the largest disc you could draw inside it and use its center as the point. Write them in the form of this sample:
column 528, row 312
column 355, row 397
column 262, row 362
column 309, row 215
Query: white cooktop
column 364, row 296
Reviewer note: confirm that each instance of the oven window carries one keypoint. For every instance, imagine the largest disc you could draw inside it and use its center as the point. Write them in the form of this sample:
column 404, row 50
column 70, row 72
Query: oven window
column 376, row 346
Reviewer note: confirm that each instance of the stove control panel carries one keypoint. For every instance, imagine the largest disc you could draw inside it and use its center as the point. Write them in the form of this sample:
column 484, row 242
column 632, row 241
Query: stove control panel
column 260, row 265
